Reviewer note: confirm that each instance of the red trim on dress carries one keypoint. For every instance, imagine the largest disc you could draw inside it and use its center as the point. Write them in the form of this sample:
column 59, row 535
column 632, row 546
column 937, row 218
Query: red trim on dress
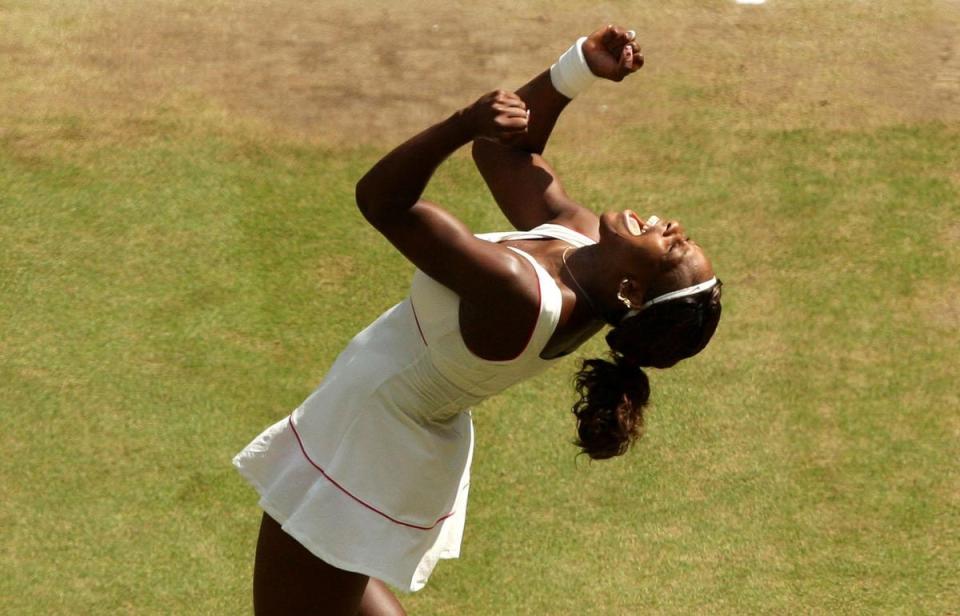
column 417, row 320
column 345, row 491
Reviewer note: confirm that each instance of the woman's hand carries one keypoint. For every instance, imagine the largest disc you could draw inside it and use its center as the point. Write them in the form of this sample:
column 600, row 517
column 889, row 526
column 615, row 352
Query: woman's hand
column 612, row 53
column 498, row 116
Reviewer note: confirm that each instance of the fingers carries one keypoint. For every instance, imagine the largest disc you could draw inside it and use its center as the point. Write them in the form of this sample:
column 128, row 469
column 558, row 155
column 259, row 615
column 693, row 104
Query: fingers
column 630, row 57
column 513, row 119
column 507, row 101
column 512, row 107
column 512, row 112
column 510, row 115
column 622, row 52
column 505, row 96
column 615, row 37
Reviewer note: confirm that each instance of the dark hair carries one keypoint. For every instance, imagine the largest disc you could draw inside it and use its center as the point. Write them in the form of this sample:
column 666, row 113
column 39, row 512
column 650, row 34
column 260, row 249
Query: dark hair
column 610, row 409
column 613, row 394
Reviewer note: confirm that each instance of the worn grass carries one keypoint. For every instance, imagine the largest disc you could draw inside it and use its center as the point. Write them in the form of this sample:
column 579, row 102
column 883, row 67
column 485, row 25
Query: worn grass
column 181, row 260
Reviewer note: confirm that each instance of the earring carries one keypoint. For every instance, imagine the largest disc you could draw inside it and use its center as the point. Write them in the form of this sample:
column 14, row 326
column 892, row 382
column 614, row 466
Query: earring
column 620, row 296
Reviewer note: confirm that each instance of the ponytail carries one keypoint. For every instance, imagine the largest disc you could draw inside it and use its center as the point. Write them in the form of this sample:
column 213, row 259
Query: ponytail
column 614, row 394
column 610, row 410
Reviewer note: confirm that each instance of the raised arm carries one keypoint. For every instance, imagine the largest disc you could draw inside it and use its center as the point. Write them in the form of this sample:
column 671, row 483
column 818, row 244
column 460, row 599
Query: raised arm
column 434, row 240
column 523, row 184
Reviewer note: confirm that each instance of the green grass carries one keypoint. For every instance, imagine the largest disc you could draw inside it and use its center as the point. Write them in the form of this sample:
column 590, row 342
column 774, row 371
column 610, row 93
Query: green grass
column 173, row 282
column 164, row 302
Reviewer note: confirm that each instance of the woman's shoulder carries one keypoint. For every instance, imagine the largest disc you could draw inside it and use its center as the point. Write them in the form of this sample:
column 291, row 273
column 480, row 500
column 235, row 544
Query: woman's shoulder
column 581, row 221
column 581, row 231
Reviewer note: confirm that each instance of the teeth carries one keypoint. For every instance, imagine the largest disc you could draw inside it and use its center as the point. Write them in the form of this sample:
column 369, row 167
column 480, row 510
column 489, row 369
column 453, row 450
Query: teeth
column 649, row 224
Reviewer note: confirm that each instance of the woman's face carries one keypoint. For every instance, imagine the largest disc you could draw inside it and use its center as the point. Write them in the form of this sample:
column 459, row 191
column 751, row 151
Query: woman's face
column 662, row 253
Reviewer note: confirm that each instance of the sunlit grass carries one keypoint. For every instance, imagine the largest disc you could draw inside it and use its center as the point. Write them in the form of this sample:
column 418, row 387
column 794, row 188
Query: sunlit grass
column 164, row 303
column 174, row 279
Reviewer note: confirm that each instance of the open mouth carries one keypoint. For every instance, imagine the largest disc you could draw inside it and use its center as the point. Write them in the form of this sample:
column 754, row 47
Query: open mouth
column 637, row 226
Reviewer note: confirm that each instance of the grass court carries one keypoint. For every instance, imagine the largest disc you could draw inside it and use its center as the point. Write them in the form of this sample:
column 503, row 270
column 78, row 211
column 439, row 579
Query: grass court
column 181, row 259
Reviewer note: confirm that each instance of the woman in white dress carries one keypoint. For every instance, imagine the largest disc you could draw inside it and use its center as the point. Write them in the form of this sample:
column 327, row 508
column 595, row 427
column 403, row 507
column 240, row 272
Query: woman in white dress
column 367, row 481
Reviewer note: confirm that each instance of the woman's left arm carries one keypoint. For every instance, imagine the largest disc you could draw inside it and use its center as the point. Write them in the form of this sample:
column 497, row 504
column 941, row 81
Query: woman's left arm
column 523, row 184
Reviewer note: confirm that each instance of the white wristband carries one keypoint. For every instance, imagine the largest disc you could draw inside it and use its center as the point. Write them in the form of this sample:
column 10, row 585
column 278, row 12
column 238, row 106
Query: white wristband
column 570, row 74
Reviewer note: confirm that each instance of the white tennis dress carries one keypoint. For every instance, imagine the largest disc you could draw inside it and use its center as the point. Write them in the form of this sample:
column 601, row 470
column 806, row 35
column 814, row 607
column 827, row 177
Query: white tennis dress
column 371, row 473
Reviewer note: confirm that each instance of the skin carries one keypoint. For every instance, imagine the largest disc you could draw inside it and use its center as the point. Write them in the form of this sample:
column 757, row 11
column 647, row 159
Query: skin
column 661, row 258
column 288, row 579
column 498, row 289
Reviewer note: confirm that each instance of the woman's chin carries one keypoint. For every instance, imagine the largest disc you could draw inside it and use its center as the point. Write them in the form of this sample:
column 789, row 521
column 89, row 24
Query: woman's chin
column 608, row 224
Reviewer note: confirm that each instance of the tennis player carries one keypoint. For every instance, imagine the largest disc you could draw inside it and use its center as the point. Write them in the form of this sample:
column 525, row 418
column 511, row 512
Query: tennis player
column 366, row 483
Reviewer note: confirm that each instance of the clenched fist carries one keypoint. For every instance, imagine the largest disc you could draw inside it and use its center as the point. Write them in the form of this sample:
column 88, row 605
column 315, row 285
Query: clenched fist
column 612, row 53
column 499, row 116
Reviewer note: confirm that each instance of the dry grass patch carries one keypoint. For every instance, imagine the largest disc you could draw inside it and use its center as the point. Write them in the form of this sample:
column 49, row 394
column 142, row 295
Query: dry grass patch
column 343, row 72
column 175, row 289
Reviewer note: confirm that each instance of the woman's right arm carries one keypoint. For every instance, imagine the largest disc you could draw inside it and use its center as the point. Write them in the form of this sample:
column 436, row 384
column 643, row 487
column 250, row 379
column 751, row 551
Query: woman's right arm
column 389, row 196
column 524, row 185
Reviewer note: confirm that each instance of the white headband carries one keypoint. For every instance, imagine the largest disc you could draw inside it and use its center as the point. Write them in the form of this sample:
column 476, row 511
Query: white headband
column 687, row 291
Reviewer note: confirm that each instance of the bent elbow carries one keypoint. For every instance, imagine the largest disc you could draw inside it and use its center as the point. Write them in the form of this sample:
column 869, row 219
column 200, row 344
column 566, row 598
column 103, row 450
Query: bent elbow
column 360, row 193
column 372, row 205
column 365, row 201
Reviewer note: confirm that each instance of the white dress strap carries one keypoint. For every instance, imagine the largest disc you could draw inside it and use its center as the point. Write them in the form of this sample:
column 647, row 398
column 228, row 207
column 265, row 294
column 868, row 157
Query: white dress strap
column 551, row 304
column 551, row 299
column 546, row 230
column 563, row 233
